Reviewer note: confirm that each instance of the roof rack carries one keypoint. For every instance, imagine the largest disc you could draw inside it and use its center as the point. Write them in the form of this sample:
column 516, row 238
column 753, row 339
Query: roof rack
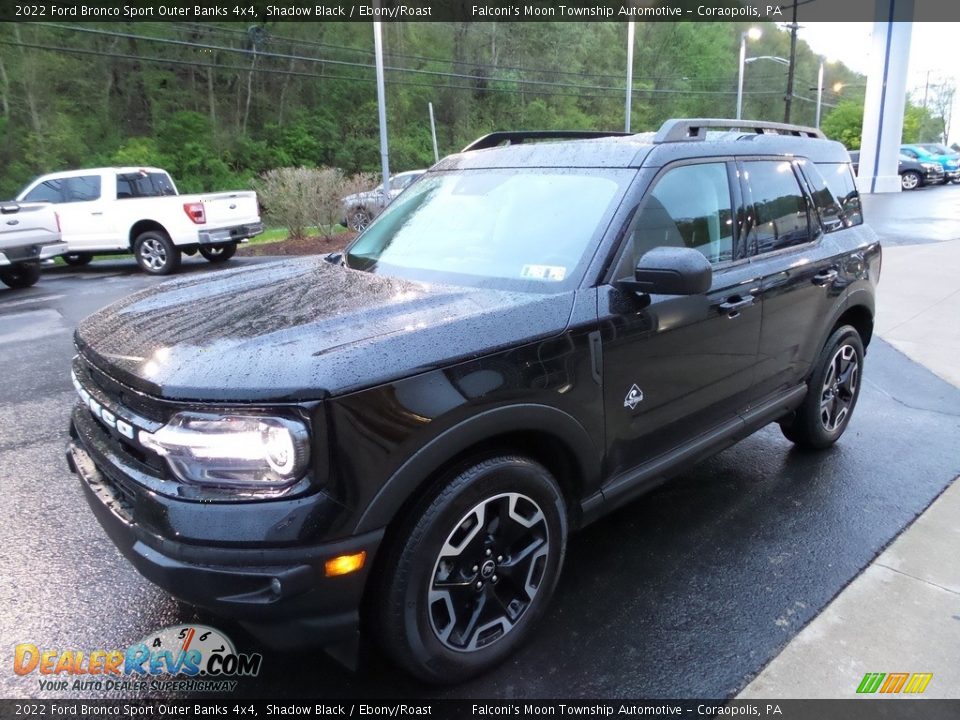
column 693, row 129
column 515, row 137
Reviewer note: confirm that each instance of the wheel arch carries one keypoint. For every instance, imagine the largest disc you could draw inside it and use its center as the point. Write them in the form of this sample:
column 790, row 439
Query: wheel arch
column 544, row 434
column 142, row 226
column 860, row 317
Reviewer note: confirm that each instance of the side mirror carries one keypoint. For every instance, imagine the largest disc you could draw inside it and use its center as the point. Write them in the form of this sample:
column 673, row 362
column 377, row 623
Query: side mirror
column 670, row 271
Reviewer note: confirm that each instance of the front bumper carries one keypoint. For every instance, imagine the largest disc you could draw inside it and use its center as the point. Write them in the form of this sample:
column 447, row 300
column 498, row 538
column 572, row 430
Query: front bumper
column 32, row 252
column 236, row 233
column 280, row 594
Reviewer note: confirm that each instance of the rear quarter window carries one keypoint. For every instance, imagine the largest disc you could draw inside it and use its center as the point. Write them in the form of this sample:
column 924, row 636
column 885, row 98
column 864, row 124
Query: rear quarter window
column 839, row 178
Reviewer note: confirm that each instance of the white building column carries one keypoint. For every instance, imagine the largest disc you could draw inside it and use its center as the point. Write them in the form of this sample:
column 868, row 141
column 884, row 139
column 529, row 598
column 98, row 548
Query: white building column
column 886, row 95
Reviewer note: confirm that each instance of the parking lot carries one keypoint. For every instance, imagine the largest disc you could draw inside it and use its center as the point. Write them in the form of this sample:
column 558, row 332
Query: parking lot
column 688, row 592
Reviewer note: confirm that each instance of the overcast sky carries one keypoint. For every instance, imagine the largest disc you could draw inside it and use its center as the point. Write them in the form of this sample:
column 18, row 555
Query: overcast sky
column 934, row 48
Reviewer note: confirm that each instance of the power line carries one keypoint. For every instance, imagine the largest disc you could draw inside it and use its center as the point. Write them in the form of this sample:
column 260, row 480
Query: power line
column 295, row 73
column 311, row 59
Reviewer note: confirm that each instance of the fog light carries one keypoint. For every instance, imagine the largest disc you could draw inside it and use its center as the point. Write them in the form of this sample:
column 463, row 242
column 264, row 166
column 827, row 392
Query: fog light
column 345, row 564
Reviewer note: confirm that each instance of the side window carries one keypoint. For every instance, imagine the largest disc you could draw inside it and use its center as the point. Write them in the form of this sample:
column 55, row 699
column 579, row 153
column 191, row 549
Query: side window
column 781, row 219
column 827, row 205
column 49, row 191
column 689, row 206
column 82, row 189
column 839, row 179
column 124, row 187
column 909, row 153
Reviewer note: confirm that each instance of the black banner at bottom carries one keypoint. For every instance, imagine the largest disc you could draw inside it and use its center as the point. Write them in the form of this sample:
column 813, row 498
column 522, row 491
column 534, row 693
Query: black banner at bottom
column 853, row 709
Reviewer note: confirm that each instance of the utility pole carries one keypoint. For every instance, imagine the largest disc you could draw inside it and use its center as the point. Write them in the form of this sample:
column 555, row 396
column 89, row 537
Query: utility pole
column 926, row 89
column 788, row 98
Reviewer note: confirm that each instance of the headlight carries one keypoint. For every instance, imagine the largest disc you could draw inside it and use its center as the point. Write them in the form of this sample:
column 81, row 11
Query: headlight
column 232, row 450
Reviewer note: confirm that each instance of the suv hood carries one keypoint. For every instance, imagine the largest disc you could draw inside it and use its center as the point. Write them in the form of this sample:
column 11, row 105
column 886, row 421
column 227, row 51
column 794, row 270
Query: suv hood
column 303, row 329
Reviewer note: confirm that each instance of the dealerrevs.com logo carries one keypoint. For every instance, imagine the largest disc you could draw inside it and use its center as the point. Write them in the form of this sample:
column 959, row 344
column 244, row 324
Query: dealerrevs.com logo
column 193, row 658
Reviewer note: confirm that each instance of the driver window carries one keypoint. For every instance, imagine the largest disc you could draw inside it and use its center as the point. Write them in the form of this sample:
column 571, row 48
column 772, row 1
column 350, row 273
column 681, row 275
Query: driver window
column 689, row 206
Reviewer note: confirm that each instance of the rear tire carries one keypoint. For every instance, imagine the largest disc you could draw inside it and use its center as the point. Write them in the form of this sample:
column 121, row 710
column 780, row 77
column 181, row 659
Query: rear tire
column 472, row 570
column 832, row 394
column 218, row 253
column 156, row 253
column 20, row 275
column 358, row 219
column 77, row 259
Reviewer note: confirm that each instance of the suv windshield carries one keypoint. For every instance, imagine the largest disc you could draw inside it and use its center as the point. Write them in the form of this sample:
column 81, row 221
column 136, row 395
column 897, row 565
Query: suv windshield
column 515, row 229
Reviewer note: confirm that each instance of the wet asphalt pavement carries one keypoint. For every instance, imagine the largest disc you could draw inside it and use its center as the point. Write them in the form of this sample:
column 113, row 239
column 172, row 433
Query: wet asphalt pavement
column 687, row 592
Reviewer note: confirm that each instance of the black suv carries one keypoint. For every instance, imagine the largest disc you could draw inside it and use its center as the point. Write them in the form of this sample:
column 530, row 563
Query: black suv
column 401, row 438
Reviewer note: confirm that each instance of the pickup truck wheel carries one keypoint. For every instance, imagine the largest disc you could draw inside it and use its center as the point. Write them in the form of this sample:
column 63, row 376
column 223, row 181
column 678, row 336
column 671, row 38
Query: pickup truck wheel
column 20, row 275
column 218, row 253
column 156, row 253
column 473, row 570
column 832, row 395
column 359, row 219
column 77, row 259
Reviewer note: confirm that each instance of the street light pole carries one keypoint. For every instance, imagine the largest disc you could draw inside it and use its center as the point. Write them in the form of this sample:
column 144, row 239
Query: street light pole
column 819, row 93
column 754, row 34
column 743, row 58
column 630, row 30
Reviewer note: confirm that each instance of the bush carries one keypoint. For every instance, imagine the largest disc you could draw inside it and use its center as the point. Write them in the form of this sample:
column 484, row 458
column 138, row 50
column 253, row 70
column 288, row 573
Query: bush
column 299, row 197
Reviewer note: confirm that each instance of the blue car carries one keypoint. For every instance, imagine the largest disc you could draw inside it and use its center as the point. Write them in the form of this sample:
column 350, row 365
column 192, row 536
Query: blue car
column 923, row 153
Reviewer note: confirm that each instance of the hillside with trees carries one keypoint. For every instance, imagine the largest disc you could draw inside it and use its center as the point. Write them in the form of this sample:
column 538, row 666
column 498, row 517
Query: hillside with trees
column 219, row 104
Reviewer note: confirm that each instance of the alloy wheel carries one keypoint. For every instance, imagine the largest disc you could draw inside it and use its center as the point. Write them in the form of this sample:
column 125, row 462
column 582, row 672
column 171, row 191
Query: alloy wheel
column 488, row 572
column 909, row 181
column 153, row 253
column 839, row 387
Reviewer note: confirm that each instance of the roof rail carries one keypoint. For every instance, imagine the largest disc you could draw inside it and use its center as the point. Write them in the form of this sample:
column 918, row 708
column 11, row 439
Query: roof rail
column 690, row 129
column 515, row 137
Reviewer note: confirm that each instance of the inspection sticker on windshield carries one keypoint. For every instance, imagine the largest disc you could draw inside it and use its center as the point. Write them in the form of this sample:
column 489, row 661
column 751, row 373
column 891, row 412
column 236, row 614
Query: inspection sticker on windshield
column 554, row 273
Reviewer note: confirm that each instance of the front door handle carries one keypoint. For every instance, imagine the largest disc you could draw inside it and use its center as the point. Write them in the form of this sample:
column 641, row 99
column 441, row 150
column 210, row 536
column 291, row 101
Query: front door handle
column 734, row 304
column 825, row 278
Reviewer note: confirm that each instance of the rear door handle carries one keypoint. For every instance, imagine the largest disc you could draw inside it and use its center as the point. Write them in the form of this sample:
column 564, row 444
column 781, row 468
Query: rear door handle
column 825, row 278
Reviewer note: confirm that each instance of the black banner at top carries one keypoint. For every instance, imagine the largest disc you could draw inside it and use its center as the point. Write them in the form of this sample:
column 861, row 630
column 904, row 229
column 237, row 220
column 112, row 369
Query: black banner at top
column 258, row 11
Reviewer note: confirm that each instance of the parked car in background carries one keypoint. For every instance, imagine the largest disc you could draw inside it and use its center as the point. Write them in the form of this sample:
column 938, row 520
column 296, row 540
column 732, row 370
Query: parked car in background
column 949, row 163
column 359, row 209
column 125, row 209
column 913, row 173
column 29, row 233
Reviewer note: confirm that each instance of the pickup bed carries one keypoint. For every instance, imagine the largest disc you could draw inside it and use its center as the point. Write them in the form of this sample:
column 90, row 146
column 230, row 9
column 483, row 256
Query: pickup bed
column 29, row 233
column 124, row 209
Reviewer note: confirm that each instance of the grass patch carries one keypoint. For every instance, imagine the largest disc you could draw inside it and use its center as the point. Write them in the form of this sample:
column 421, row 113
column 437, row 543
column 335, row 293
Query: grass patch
column 280, row 234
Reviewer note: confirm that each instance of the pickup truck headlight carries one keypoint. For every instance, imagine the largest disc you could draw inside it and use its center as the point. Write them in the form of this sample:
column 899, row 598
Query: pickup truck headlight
column 245, row 451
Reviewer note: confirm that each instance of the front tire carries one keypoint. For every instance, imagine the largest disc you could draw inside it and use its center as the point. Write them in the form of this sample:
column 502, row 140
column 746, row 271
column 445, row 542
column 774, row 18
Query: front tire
column 473, row 570
column 832, row 394
column 218, row 253
column 910, row 180
column 156, row 253
column 20, row 275
column 77, row 259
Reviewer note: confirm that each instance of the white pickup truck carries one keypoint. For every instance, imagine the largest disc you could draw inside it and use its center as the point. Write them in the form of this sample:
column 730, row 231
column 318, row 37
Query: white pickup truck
column 128, row 209
column 29, row 233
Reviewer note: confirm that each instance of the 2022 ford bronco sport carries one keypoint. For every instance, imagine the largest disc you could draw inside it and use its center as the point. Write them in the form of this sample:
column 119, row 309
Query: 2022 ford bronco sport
column 401, row 438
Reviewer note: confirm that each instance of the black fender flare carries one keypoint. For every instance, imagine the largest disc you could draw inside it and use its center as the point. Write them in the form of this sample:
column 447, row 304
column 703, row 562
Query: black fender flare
column 420, row 466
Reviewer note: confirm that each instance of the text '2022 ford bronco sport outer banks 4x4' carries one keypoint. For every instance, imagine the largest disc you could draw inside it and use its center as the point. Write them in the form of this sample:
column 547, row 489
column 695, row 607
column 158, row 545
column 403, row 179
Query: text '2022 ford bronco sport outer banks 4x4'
column 401, row 437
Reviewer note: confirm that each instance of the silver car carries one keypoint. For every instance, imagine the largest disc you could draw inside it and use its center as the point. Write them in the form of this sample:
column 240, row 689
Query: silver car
column 361, row 208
